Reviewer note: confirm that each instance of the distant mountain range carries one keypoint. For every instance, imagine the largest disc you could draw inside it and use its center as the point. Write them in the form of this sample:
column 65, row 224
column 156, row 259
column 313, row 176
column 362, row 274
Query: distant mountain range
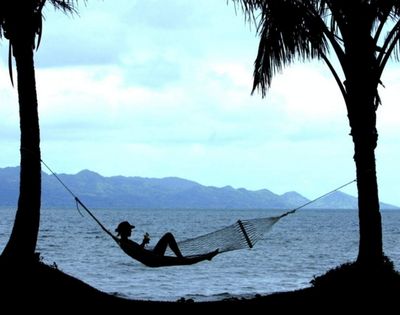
column 97, row 191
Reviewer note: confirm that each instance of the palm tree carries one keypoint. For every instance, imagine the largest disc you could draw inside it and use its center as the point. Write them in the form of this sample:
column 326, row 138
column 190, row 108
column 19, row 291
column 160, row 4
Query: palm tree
column 361, row 35
column 21, row 25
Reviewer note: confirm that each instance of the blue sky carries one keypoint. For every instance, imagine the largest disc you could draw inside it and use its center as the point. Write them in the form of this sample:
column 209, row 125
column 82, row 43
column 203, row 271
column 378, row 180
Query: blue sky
column 162, row 88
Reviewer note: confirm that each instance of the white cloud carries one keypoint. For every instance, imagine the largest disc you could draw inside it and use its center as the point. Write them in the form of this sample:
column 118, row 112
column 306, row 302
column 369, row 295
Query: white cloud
column 148, row 100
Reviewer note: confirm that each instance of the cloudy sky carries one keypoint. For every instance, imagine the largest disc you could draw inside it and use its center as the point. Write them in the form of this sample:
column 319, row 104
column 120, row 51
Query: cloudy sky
column 162, row 88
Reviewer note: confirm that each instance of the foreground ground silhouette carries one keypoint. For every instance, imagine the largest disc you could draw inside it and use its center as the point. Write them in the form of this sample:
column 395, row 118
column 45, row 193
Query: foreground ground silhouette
column 39, row 287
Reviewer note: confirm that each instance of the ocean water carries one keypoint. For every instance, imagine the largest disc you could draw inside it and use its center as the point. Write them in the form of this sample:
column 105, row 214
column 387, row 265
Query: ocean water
column 299, row 247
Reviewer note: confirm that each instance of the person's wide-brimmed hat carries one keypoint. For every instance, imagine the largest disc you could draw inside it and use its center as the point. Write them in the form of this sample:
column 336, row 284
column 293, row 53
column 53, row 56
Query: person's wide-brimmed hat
column 124, row 226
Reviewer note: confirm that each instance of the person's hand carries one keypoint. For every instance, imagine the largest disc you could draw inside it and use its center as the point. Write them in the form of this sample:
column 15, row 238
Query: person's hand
column 146, row 238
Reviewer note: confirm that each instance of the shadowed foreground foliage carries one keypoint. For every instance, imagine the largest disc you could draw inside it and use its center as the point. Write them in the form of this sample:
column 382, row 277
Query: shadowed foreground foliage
column 47, row 289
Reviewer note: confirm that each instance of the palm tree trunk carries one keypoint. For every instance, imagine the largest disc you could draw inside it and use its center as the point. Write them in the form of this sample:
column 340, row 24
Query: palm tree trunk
column 370, row 246
column 362, row 88
column 362, row 117
column 22, row 243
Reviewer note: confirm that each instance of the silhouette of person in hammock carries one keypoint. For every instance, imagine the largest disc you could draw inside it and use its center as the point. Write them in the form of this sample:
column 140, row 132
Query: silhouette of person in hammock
column 155, row 257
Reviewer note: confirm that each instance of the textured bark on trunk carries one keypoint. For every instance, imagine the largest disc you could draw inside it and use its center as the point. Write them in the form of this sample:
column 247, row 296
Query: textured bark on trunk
column 22, row 243
column 362, row 117
column 370, row 246
column 362, row 91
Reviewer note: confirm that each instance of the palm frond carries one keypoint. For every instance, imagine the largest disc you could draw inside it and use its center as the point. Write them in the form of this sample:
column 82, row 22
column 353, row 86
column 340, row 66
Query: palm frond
column 16, row 15
column 306, row 29
column 10, row 63
column 67, row 6
column 284, row 40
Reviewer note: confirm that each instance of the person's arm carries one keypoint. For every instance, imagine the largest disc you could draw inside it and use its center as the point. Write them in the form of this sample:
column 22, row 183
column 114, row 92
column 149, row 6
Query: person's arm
column 146, row 240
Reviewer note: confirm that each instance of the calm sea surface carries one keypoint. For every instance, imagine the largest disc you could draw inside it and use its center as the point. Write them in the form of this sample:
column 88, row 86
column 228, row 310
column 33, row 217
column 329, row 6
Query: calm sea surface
column 299, row 247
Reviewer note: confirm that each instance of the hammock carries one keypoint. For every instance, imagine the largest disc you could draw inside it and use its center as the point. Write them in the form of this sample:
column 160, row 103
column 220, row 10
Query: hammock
column 239, row 235
column 152, row 259
column 242, row 234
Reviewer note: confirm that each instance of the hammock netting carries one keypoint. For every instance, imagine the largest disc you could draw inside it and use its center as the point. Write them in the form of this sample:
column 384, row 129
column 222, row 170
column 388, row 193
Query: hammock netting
column 239, row 235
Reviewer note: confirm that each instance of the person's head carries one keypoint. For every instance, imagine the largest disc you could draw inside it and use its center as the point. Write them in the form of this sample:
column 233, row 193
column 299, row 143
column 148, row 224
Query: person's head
column 124, row 229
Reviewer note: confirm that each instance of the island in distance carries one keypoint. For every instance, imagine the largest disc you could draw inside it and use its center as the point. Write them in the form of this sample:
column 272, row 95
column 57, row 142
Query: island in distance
column 98, row 191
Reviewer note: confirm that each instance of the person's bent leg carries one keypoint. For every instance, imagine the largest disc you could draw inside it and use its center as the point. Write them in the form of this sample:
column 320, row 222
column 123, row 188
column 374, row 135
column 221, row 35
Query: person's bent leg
column 167, row 240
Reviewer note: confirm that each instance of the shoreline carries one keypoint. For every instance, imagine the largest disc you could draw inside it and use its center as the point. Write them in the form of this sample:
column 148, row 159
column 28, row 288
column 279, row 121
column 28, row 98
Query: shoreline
column 44, row 287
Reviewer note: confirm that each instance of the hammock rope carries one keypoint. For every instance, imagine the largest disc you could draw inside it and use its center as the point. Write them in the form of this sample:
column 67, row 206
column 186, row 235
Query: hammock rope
column 239, row 235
